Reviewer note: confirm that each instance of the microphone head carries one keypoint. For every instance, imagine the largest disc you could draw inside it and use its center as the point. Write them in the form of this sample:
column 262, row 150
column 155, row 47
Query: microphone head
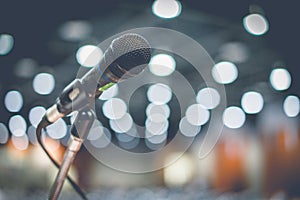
column 129, row 55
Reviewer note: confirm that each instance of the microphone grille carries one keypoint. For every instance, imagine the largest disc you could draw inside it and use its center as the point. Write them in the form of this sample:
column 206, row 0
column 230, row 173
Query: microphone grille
column 131, row 52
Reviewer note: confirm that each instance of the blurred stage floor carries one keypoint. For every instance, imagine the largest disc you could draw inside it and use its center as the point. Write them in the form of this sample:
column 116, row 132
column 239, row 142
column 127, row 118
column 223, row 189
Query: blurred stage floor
column 133, row 194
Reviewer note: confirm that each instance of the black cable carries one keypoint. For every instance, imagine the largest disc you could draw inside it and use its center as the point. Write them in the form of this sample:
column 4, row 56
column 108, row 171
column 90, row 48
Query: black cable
column 39, row 129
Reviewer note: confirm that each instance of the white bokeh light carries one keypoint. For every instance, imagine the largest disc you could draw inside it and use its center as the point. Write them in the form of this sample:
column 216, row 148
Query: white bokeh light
column 256, row 24
column 4, row 135
column 155, row 146
column 65, row 141
column 20, row 142
column 224, row 72
column 104, row 138
column 158, row 113
column 110, row 92
column 234, row 117
column 129, row 145
column 188, row 129
column 96, row 130
column 75, row 30
column 156, row 139
column 252, row 102
column 25, row 68
column 121, row 125
column 58, row 129
column 153, row 109
column 291, row 106
column 157, row 117
column 236, row 52
column 6, row 44
column 31, row 132
column 181, row 172
column 156, row 128
column 89, row 55
column 36, row 114
column 125, row 137
column 166, row 8
column 17, row 125
column 280, row 79
column 114, row 108
column 209, row 98
column 13, row 101
column 162, row 65
column 43, row 83
column 197, row 114
column 159, row 94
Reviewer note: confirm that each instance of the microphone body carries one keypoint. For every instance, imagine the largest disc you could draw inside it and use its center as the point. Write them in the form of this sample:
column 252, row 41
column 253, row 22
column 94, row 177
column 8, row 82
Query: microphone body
column 127, row 56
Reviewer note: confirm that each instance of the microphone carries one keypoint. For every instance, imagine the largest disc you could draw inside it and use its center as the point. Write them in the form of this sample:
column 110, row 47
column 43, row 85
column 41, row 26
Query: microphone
column 126, row 57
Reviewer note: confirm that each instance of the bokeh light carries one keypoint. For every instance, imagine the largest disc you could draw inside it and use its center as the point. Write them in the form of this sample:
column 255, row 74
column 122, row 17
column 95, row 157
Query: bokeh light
column 126, row 137
column 280, row 79
column 180, row 172
column 157, row 117
column 166, row 8
column 224, row 72
column 58, row 129
column 197, row 114
column 13, row 101
column 76, row 30
column 129, row 145
column 43, row 83
column 209, row 98
column 121, row 125
column 114, row 108
column 20, row 142
column 36, row 114
column 162, row 110
column 156, row 128
column 162, row 65
column 110, row 92
column 17, row 125
column 291, row 106
column 95, row 131
column 31, row 132
column 256, row 24
column 188, row 129
column 4, row 135
column 65, row 141
column 236, row 52
column 104, row 138
column 6, row 44
column 159, row 94
column 234, row 117
column 26, row 68
column 154, row 138
column 252, row 102
column 89, row 55
column 155, row 146
column 158, row 113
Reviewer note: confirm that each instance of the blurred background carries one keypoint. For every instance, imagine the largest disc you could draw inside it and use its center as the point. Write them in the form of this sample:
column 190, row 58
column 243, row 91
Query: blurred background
column 254, row 45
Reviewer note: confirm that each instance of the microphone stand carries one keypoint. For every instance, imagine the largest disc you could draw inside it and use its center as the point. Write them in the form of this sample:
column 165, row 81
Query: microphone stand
column 79, row 132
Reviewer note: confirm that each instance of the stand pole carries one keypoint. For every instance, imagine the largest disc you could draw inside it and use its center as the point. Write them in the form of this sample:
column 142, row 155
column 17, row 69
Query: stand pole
column 81, row 126
column 69, row 157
